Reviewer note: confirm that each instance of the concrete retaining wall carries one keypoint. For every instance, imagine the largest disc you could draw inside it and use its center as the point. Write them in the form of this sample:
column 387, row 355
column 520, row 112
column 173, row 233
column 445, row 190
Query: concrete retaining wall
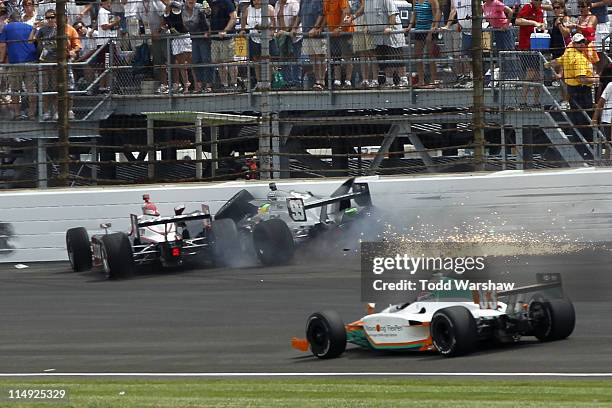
column 558, row 205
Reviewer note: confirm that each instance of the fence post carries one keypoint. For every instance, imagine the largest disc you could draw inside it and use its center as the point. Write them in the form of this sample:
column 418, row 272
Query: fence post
column 151, row 154
column 62, row 92
column 478, row 95
column 198, row 140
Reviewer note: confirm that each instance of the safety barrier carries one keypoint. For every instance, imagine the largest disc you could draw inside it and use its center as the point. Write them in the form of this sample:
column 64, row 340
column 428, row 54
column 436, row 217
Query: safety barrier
column 568, row 205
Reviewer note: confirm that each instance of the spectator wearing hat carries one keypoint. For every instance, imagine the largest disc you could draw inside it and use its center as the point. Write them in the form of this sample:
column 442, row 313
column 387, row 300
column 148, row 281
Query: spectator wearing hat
column 14, row 44
column 181, row 46
column 577, row 72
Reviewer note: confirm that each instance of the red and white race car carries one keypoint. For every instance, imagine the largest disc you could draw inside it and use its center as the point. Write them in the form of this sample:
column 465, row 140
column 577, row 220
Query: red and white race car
column 152, row 238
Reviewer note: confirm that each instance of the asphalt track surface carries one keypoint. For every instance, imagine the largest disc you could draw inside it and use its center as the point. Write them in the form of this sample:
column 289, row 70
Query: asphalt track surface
column 242, row 319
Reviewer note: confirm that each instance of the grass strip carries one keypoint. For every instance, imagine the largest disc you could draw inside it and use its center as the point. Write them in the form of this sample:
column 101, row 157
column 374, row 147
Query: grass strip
column 312, row 392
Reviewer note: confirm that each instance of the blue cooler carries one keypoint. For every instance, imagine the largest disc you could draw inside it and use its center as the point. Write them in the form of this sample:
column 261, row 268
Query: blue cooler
column 540, row 41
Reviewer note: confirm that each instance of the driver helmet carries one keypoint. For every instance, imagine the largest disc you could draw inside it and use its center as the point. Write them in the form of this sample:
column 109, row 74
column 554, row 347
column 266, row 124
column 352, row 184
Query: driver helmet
column 148, row 208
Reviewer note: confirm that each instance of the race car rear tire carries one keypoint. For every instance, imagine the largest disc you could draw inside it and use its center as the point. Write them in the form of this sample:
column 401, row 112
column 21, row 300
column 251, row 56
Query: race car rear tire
column 79, row 249
column 273, row 242
column 453, row 331
column 552, row 319
column 117, row 256
column 326, row 334
column 226, row 238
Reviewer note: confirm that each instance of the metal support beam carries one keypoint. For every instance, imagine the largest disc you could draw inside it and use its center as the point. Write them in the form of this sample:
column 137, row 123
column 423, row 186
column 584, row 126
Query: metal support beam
column 519, row 148
column 264, row 148
column 284, row 131
column 419, row 147
column 94, row 158
column 41, row 160
column 275, row 147
column 198, row 141
column 151, row 156
column 384, row 147
column 214, row 150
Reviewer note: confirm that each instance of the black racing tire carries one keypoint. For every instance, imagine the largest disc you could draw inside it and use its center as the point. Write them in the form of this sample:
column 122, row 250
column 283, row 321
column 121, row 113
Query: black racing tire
column 237, row 207
column 79, row 249
column 326, row 334
column 453, row 331
column 226, row 240
column 117, row 256
column 552, row 319
column 273, row 242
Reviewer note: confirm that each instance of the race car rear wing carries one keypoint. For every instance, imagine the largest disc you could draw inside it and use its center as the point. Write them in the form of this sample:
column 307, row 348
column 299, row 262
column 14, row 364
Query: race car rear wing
column 339, row 199
column 544, row 281
column 168, row 220
column 199, row 215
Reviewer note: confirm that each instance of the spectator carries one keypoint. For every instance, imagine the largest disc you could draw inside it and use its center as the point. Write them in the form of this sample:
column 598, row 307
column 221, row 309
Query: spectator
column 338, row 21
column 602, row 30
column 29, row 13
column 577, row 72
column 85, row 73
column 586, row 23
column 181, row 46
column 530, row 19
column 252, row 21
column 222, row 22
column 560, row 31
column 463, row 15
column 311, row 17
column 388, row 35
column 46, row 40
column 498, row 15
column 196, row 22
column 72, row 14
column 13, row 6
column 425, row 20
column 107, row 24
column 152, row 17
column 603, row 116
column 451, row 36
column 363, row 46
column 560, row 36
column 14, row 43
column 289, row 44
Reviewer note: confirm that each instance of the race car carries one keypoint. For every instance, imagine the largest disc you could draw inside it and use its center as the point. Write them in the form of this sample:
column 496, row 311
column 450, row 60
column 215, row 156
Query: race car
column 152, row 239
column 451, row 322
column 272, row 226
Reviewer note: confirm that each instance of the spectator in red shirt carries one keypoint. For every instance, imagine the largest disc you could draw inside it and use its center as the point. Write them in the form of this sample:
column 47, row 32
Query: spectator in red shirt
column 530, row 18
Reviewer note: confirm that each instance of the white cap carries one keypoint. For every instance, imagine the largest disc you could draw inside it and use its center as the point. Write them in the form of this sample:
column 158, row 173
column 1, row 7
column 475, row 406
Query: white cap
column 578, row 38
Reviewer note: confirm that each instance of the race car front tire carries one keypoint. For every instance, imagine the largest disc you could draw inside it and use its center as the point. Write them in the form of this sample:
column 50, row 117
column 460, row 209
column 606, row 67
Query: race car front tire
column 326, row 334
column 117, row 256
column 273, row 242
column 453, row 331
column 552, row 319
column 79, row 249
column 226, row 239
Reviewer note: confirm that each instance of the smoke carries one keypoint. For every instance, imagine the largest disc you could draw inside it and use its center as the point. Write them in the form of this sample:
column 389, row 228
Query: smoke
column 6, row 235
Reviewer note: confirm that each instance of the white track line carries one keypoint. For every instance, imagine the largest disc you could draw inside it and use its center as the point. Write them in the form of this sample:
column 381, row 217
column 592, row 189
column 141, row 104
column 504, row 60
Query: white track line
column 331, row 374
